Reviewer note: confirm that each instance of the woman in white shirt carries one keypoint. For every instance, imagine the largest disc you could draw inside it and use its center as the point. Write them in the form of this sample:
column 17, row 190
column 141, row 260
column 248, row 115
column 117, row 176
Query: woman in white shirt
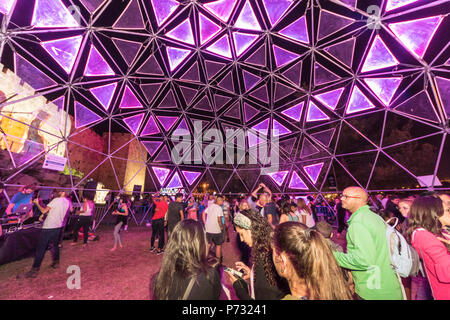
column 84, row 220
column 306, row 213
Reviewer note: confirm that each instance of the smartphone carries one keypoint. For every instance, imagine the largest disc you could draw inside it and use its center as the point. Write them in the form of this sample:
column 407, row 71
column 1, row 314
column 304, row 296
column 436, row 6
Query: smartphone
column 234, row 272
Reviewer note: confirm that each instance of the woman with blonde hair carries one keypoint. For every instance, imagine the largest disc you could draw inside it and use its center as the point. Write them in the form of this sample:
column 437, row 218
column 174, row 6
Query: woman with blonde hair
column 306, row 213
column 303, row 257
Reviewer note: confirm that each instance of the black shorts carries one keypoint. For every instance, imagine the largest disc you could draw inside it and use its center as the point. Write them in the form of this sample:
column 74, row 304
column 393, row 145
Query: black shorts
column 216, row 238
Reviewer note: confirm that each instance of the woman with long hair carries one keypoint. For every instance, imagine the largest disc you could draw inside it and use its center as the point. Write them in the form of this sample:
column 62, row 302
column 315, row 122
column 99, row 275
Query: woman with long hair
column 288, row 213
column 426, row 233
column 303, row 257
column 265, row 284
column 185, row 272
column 84, row 220
column 306, row 213
column 121, row 220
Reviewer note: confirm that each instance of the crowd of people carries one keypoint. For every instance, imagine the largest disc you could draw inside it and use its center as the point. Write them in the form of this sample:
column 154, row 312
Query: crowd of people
column 286, row 251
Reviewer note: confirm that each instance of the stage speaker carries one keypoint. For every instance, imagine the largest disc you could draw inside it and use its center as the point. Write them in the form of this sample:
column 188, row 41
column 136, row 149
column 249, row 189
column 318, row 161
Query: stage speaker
column 137, row 191
column 90, row 189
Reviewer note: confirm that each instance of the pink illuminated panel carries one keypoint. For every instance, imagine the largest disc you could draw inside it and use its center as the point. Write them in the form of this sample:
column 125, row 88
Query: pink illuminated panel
column 315, row 114
column 163, row 9
column 176, row 56
column 221, row 9
column 191, row 176
column 275, row 9
column 167, row 122
column 250, row 80
column 30, row 74
column 84, row 116
column 52, row 14
column 175, row 182
column 182, row 129
column 262, row 127
column 279, row 177
column 330, row 99
column 6, row 6
column 282, row 56
column 243, row 41
column 247, row 19
column 294, row 112
column 358, row 102
column 221, row 47
column 64, row 51
column 161, row 174
column 379, row 57
column 104, row 94
column 394, row 4
column 97, row 65
column 313, row 171
column 134, row 122
column 384, row 88
column 150, row 128
column 129, row 100
column 297, row 31
column 208, row 29
column 151, row 146
column 416, row 34
column 183, row 33
column 296, row 182
column 278, row 129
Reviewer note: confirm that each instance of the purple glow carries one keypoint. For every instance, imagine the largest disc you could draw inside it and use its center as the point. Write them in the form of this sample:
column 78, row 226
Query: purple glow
column 176, row 56
column 249, row 112
column 151, row 66
column 313, row 171
column 191, row 176
column 30, row 74
column 182, row 129
column 315, row 114
column 261, row 94
column 379, row 57
column 278, row 177
column 293, row 73
column 161, row 174
column 182, row 33
column 358, row 102
column 104, row 94
column 208, row 29
column 243, row 41
column 221, row 47
column 151, row 146
column 247, row 19
column 296, row 182
column 394, row 4
column 330, row 23
column 343, row 51
column 297, row 31
column 324, row 136
column 163, row 9
column 167, row 122
column 221, row 9
column 250, row 80
column 64, row 51
column 282, row 56
column 253, row 140
column 330, row 99
column 52, row 14
column 97, row 65
column 134, row 122
column 163, row 155
column 150, row 128
column 416, row 34
column 129, row 100
column 384, row 88
column 92, row 5
column 444, row 93
column 131, row 18
column 323, row 75
column 128, row 49
column 258, row 57
column 6, row 6
column 262, row 127
column 275, row 9
column 294, row 112
column 175, row 182
column 84, row 116
column 278, row 129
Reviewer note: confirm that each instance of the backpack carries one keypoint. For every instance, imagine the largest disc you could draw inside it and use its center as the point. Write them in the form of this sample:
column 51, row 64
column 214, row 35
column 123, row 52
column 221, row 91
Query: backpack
column 404, row 258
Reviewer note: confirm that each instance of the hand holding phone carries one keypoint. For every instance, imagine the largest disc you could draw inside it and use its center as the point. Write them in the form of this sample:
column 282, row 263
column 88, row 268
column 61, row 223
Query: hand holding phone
column 234, row 272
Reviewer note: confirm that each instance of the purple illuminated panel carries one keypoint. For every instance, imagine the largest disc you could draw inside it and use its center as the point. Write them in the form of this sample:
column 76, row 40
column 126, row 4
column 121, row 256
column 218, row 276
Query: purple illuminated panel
column 297, row 31
column 294, row 112
column 92, row 5
column 234, row 112
column 278, row 129
column 379, row 57
column 243, row 41
column 84, row 116
column 323, row 75
column 249, row 112
column 208, row 29
column 97, row 65
column 6, row 6
column 163, row 9
column 394, row 4
column 30, row 74
column 52, row 14
column 167, row 122
column 275, row 9
column 343, row 51
column 221, row 47
column 444, row 93
column 227, row 83
column 150, row 128
column 192, row 73
column 258, row 57
column 324, row 137
column 330, row 23
column 262, row 127
column 131, row 17
column 279, row 177
column 308, row 149
column 416, row 34
column 175, row 182
column 151, row 146
column 250, row 80
column 191, row 176
column 261, row 94
column 282, row 91
column 134, row 122
column 296, row 182
column 161, row 174
column 104, row 94
column 358, row 102
column 129, row 100
column 176, row 56
column 183, row 33
column 247, row 19
column 384, row 88
column 163, row 155
column 221, row 9
column 313, row 171
column 182, row 129
column 315, row 114
column 64, row 51
column 128, row 49
column 293, row 73
column 330, row 99
column 282, row 56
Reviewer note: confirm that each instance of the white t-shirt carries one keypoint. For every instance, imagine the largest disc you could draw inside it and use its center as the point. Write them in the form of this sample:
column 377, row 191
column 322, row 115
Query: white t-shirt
column 58, row 210
column 309, row 219
column 212, row 213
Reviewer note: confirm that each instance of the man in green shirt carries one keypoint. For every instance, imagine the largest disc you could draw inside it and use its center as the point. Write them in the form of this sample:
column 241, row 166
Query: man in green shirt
column 367, row 254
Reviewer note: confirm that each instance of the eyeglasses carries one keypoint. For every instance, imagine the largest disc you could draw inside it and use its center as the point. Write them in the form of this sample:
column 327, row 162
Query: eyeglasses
column 344, row 196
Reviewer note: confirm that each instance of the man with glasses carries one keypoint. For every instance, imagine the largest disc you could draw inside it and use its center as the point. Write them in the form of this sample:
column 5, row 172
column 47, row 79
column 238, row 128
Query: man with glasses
column 367, row 255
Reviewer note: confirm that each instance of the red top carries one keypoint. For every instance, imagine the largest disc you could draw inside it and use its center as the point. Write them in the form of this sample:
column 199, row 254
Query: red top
column 436, row 260
column 160, row 210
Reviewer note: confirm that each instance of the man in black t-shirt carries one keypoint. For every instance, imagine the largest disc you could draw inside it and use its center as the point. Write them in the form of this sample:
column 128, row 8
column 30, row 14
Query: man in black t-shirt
column 175, row 213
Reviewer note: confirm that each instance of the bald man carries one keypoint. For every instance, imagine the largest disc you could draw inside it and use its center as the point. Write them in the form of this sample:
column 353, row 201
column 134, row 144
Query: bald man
column 367, row 251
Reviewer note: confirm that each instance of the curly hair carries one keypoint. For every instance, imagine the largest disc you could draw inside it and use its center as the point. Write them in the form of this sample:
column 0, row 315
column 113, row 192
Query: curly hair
column 262, row 234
